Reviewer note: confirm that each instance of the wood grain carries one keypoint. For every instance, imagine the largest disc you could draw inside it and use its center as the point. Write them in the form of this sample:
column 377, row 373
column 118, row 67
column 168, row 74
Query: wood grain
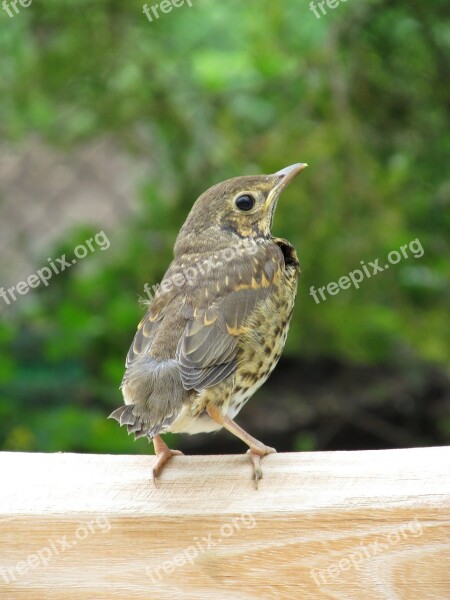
column 345, row 525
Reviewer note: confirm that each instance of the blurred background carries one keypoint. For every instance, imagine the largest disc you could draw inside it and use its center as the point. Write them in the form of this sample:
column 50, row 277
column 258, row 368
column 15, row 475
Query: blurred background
column 112, row 123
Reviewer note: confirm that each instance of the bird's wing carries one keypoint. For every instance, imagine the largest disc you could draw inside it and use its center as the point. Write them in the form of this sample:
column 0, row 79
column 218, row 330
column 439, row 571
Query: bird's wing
column 145, row 334
column 218, row 312
column 160, row 307
column 198, row 323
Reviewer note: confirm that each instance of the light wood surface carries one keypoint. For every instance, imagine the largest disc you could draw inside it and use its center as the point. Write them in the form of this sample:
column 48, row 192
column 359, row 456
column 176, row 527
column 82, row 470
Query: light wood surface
column 345, row 525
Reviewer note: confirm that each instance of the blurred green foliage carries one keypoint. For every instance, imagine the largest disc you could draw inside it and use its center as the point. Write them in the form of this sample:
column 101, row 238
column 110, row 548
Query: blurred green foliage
column 210, row 92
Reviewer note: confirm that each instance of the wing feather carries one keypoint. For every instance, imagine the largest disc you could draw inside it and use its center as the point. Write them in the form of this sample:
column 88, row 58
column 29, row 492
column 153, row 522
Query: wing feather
column 207, row 350
column 211, row 315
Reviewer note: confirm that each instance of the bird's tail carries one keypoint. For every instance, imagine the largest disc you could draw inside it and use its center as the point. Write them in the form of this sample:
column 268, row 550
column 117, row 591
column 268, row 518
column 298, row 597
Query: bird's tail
column 124, row 416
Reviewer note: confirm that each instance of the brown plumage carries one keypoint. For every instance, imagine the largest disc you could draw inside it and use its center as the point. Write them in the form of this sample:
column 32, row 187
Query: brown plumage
column 219, row 320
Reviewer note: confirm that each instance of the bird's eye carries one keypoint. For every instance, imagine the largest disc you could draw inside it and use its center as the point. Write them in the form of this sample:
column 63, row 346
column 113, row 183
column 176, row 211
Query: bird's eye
column 245, row 202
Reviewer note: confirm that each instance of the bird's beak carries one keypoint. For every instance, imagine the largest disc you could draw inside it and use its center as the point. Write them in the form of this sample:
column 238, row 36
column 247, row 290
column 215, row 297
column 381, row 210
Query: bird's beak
column 285, row 176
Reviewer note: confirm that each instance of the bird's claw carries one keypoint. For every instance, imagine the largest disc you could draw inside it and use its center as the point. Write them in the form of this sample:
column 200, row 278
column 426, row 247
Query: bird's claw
column 255, row 456
column 160, row 461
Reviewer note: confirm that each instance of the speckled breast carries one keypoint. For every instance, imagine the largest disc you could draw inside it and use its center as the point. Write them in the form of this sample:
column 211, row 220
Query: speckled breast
column 263, row 342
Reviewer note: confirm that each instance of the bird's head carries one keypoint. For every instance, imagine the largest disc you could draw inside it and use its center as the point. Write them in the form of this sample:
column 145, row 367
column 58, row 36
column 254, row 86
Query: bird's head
column 242, row 207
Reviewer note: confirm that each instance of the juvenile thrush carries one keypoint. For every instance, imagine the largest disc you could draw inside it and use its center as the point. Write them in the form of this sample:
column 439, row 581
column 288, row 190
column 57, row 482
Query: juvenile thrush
column 217, row 325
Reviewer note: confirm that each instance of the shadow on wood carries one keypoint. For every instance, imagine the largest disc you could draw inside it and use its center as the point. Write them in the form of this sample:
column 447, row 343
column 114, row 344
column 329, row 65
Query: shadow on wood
column 346, row 525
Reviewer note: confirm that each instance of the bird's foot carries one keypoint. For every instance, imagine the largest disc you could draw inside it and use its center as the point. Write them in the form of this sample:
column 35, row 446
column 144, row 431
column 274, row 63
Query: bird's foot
column 256, row 454
column 163, row 454
column 257, row 448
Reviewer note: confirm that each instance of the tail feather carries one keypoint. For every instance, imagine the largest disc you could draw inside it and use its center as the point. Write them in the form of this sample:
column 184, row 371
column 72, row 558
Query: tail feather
column 125, row 415
column 136, row 426
column 153, row 394
column 116, row 413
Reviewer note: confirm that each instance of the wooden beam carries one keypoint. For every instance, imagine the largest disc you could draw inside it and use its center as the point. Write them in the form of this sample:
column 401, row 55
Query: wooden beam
column 346, row 525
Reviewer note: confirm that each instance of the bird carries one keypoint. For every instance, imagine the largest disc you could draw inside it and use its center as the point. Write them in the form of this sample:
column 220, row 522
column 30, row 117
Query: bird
column 217, row 324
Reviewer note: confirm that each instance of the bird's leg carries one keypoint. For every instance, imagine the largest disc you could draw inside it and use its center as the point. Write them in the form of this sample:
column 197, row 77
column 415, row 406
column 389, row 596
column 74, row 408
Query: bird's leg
column 256, row 448
column 163, row 453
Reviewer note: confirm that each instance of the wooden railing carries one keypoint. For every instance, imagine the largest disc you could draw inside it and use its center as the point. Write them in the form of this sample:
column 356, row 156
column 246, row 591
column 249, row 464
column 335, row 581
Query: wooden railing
column 346, row 525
